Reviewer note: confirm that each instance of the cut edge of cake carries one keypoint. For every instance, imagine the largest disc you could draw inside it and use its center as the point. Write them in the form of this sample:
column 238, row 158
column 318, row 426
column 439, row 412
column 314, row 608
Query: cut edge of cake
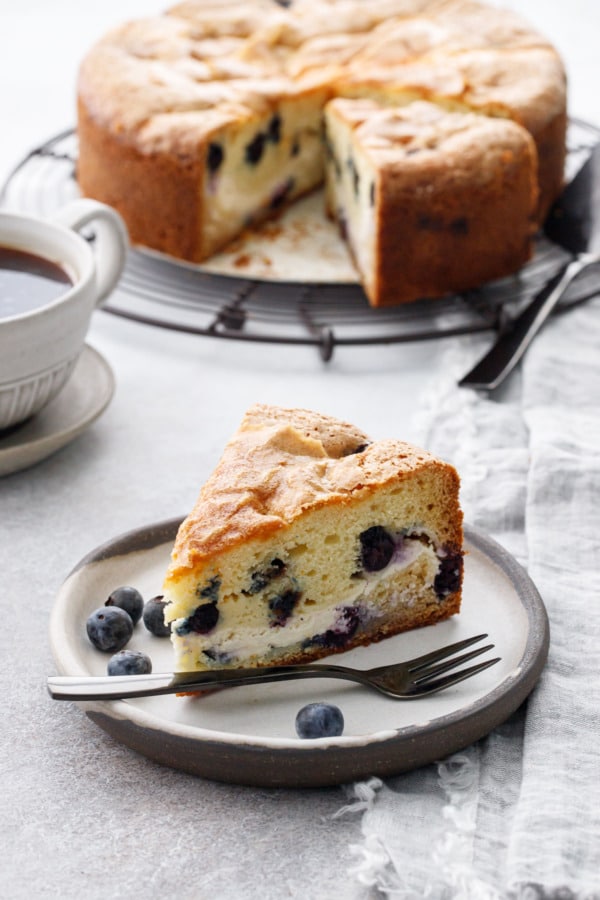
column 429, row 201
column 309, row 539
column 160, row 99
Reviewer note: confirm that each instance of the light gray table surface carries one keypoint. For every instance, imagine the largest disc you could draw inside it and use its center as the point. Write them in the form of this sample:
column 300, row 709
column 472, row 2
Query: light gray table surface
column 81, row 815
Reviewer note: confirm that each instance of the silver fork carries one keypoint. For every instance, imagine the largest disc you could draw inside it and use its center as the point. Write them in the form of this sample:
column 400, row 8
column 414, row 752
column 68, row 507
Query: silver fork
column 404, row 680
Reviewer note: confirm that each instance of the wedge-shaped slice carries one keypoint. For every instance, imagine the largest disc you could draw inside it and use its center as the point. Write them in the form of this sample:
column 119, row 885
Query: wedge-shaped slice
column 309, row 539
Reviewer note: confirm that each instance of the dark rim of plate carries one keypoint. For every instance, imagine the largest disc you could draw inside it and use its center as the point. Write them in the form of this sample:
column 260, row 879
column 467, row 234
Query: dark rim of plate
column 294, row 763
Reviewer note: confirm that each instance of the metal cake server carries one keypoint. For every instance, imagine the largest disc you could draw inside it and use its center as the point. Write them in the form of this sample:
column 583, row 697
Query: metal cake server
column 574, row 224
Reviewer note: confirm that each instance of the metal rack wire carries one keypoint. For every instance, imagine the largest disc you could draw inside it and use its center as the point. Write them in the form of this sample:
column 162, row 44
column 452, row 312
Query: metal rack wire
column 155, row 290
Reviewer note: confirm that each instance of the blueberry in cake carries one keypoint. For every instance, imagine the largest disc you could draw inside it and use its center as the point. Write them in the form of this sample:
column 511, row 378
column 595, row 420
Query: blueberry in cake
column 199, row 123
column 429, row 201
column 309, row 539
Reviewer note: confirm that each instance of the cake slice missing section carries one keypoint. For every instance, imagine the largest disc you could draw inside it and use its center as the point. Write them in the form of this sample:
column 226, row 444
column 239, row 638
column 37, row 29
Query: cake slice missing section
column 429, row 201
column 309, row 539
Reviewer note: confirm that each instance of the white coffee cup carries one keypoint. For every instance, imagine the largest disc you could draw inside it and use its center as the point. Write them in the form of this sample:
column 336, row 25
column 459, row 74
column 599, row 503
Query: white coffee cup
column 39, row 348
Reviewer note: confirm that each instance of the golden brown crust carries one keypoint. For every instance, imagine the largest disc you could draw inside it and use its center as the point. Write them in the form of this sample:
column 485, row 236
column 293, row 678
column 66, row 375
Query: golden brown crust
column 281, row 463
column 152, row 92
column 453, row 197
column 162, row 211
column 338, row 438
column 526, row 84
column 453, row 246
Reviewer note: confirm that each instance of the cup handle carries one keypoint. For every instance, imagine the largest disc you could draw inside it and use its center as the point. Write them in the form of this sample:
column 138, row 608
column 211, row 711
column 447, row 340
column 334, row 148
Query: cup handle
column 111, row 243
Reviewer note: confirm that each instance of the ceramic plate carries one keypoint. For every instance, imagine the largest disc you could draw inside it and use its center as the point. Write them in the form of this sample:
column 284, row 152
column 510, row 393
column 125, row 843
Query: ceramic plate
column 246, row 735
column 84, row 397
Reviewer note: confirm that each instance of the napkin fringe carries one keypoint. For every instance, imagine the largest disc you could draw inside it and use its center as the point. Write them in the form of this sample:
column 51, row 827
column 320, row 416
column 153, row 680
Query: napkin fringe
column 364, row 793
column 451, row 870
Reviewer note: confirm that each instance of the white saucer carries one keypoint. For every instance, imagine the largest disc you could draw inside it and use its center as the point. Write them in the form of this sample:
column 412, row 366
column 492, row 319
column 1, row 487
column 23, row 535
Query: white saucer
column 84, row 397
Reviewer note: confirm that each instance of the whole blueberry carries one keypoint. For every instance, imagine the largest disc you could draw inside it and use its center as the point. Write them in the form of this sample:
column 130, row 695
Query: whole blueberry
column 109, row 628
column 129, row 599
column 319, row 720
column 129, row 662
column 153, row 617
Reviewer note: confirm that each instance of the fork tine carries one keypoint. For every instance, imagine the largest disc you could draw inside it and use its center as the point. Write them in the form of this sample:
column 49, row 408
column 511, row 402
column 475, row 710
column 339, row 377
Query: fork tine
column 427, row 673
column 441, row 653
column 431, row 687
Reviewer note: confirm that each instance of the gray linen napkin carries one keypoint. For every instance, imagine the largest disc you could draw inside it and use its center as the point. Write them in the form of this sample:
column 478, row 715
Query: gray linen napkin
column 518, row 813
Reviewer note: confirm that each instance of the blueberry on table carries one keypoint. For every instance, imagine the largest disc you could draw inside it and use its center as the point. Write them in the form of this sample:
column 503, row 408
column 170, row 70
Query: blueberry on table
column 109, row 628
column 129, row 599
column 129, row 662
column 318, row 720
column 153, row 617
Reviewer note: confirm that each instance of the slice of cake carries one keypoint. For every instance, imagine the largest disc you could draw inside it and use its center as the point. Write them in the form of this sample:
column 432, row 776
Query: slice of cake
column 429, row 201
column 309, row 539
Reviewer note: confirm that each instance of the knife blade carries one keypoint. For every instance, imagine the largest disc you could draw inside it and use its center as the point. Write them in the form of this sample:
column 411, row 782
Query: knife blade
column 574, row 224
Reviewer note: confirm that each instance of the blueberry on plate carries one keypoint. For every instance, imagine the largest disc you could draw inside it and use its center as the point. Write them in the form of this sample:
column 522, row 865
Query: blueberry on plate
column 129, row 662
column 316, row 720
column 109, row 628
column 153, row 617
column 129, row 599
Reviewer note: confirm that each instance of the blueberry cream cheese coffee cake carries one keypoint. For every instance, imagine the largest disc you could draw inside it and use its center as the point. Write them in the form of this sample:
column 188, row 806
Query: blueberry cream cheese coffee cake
column 199, row 123
column 309, row 539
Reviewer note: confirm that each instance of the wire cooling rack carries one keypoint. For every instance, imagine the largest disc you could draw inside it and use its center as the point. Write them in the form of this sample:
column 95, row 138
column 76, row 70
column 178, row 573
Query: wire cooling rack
column 155, row 290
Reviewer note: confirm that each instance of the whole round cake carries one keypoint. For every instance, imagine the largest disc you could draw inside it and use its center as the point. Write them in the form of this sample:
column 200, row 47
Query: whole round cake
column 201, row 122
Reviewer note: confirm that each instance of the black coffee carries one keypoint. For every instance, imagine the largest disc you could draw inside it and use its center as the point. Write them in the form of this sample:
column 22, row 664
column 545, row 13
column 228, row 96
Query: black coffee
column 28, row 282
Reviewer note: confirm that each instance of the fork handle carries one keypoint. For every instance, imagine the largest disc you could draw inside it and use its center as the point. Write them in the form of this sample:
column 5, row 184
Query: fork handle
column 123, row 687
column 509, row 347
